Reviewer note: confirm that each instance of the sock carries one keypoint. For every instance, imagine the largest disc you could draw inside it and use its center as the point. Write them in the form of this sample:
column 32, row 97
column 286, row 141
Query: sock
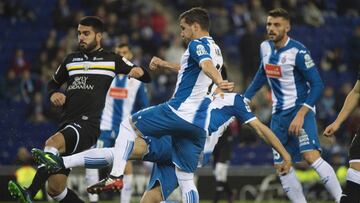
column 124, row 145
column 292, row 187
column 51, row 150
column 328, row 178
column 127, row 189
column 68, row 196
column 92, row 158
column 39, row 180
column 351, row 191
column 92, row 177
column 219, row 189
column 187, row 186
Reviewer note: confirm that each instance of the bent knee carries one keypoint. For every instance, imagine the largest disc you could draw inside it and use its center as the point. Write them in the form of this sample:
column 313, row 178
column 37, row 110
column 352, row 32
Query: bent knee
column 311, row 156
column 54, row 190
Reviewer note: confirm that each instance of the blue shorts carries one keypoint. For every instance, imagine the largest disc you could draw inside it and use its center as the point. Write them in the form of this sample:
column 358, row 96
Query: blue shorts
column 165, row 175
column 107, row 138
column 187, row 139
column 295, row 145
column 160, row 149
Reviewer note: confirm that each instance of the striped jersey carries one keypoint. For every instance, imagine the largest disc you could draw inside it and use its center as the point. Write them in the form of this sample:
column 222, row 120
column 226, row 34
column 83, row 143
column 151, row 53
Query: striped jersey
column 189, row 100
column 125, row 96
column 223, row 112
column 88, row 77
column 291, row 74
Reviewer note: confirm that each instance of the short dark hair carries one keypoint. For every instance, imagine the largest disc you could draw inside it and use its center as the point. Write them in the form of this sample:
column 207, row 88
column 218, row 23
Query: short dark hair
column 280, row 12
column 198, row 15
column 93, row 21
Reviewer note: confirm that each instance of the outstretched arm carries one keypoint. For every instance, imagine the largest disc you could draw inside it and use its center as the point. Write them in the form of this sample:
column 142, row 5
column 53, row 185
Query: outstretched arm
column 269, row 137
column 350, row 104
column 157, row 62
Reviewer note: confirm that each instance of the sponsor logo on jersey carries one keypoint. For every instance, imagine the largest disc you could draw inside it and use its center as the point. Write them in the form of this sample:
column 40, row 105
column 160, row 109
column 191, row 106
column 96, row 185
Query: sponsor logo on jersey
column 273, row 71
column 98, row 59
column 80, row 83
column 118, row 93
column 308, row 61
column 77, row 59
column 200, row 50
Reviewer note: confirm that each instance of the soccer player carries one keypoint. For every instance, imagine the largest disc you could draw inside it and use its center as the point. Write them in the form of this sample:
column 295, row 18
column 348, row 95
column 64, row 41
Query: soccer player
column 151, row 148
column 124, row 97
column 185, row 115
column 296, row 86
column 88, row 74
column 351, row 192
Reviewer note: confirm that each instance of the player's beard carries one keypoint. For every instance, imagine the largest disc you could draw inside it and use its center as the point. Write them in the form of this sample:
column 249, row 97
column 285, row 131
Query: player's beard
column 278, row 37
column 88, row 48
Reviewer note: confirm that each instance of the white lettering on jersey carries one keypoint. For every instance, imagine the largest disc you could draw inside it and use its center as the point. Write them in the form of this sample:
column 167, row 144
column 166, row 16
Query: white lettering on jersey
column 80, row 83
column 200, row 50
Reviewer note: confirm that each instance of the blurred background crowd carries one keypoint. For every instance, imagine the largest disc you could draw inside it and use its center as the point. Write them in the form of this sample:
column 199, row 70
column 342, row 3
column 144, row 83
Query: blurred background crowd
column 36, row 35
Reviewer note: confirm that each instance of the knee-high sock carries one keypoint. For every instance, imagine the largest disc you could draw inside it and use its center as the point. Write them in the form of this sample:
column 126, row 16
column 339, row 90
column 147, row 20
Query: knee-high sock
column 124, row 145
column 188, row 189
column 39, row 180
column 127, row 189
column 92, row 158
column 351, row 191
column 92, row 177
column 68, row 196
column 328, row 178
column 292, row 187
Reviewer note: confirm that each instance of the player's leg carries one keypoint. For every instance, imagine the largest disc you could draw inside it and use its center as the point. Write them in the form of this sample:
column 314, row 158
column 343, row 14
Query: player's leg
column 188, row 189
column 289, row 182
column 152, row 196
column 54, row 145
column 221, row 184
column 92, row 175
column 126, row 192
column 59, row 192
column 351, row 191
column 310, row 148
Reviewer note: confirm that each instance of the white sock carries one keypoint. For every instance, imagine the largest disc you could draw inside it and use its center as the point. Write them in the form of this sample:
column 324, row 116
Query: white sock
column 292, row 187
column 92, row 158
column 187, row 186
column 124, row 145
column 51, row 150
column 328, row 178
column 125, row 196
column 61, row 196
column 353, row 175
column 92, row 177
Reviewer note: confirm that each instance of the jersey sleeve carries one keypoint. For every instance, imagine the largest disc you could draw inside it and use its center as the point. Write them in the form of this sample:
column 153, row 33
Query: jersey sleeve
column 242, row 110
column 199, row 51
column 122, row 65
column 257, row 83
column 141, row 100
column 60, row 76
column 306, row 66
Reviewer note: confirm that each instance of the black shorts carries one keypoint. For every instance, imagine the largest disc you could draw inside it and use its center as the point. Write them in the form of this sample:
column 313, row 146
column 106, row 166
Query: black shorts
column 354, row 151
column 79, row 136
column 222, row 151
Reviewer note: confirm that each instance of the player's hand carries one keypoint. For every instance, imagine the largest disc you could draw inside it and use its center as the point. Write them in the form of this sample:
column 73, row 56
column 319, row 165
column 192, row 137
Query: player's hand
column 136, row 72
column 284, row 167
column 296, row 125
column 58, row 99
column 331, row 129
column 155, row 63
column 226, row 86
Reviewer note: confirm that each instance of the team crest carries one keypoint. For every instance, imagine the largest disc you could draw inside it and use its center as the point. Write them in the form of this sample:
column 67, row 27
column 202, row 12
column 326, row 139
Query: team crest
column 87, row 66
column 283, row 60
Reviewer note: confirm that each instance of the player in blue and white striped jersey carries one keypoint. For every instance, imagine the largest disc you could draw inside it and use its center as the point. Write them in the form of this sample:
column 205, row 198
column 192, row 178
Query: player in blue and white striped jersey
column 125, row 96
column 185, row 116
column 158, row 150
column 296, row 86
